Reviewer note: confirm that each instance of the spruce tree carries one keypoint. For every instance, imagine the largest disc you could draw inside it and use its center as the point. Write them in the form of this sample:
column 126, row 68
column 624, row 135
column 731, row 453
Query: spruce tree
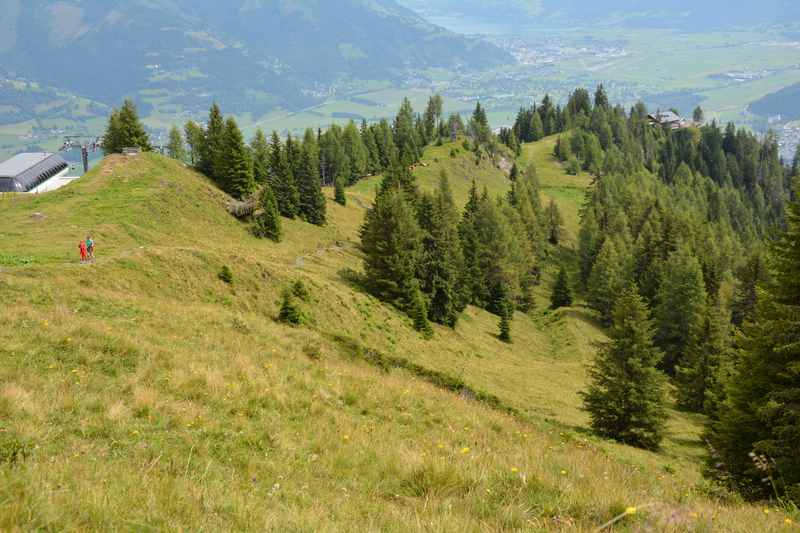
column 419, row 311
column 392, row 244
column 282, row 179
column 237, row 167
column 339, row 195
column 442, row 258
column 681, row 307
column 113, row 142
column 555, row 223
column 309, row 187
column 627, row 395
column 175, row 148
column 213, row 146
column 514, row 173
column 761, row 415
column 125, row 130
column 290, row 312
column 268, row 222
column 260, row 149
column 562, row 294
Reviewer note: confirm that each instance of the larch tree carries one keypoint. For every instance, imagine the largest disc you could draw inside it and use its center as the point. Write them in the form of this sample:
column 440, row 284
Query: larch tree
column 175, row 147
column 681, row 304
column 627, row 395
column 195, row 136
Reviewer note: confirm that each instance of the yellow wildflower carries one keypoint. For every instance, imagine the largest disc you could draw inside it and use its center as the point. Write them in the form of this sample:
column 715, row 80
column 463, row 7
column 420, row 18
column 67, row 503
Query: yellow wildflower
column 766, row 511
column 563, row 472
column 440, row 446
column 465, row 450
column 514, row 469
column 630, row 510
column 346, row 437
column 787, row 521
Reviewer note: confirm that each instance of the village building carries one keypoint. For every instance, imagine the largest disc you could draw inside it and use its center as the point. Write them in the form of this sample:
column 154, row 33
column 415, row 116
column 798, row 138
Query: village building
column 669, row 119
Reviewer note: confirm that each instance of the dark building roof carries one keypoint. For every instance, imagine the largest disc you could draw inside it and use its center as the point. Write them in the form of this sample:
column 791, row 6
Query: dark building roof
column 25, row 172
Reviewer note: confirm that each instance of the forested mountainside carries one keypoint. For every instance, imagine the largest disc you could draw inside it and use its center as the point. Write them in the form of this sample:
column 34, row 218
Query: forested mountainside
column 785, row 103
column 675, row 14
column 277, row 52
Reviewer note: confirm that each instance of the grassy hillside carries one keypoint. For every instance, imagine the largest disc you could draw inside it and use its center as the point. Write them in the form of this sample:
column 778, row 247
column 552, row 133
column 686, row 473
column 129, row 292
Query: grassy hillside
column 141, row 392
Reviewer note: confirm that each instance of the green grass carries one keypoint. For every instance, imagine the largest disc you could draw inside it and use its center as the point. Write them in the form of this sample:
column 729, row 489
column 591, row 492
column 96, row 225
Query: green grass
column 143, row 393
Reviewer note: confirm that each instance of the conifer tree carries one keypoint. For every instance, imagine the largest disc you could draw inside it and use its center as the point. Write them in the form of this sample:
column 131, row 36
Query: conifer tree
column 339, row 195
column 555, row 223
column 796, row 163
column 514, row 173
column 237, row 167
column 505, row 328
column 697, row 374
column 213, row 147
column 761, row 415
column 125, row 130
column 442, row 258
column 290, row 312
column 392, row 244
column 752, row 274
column 681, row 307
column 608, row 278
column 175, row 148
column 562, row 294
column 601, row 98
column 260, row 149
column 194, row 141
column 627, row 395
column 537, row 127
column 312, row 201
column 282, row 179
column 268, row 222
column 405, row 134
column 419, row 311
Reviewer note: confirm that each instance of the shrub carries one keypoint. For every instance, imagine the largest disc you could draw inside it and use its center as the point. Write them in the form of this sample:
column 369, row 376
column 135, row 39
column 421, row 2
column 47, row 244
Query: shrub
column 226, row 274
column 299, row 290
column 290, row 312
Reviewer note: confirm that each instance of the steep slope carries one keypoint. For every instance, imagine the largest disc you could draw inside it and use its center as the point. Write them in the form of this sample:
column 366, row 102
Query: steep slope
column 266, row 53
column 141, row 392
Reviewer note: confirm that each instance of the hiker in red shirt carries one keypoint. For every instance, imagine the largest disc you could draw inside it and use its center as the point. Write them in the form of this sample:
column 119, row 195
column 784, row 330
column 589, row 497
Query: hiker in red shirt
column 82, row 248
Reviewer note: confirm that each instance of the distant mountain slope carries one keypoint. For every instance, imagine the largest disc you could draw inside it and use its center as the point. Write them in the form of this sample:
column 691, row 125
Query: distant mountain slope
column 785, row 102
column 678, row 14
column 269, row 52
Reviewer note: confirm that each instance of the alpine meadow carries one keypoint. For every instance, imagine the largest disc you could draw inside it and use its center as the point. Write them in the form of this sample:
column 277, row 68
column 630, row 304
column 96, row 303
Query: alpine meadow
column 583, row 318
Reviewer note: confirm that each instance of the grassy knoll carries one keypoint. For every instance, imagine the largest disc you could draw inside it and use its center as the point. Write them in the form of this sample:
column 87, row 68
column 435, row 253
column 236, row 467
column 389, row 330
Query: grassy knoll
column 143, row 393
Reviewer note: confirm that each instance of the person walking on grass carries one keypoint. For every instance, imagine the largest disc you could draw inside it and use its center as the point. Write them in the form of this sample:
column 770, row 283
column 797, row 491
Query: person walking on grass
column 83, row 251
column 90, row 247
